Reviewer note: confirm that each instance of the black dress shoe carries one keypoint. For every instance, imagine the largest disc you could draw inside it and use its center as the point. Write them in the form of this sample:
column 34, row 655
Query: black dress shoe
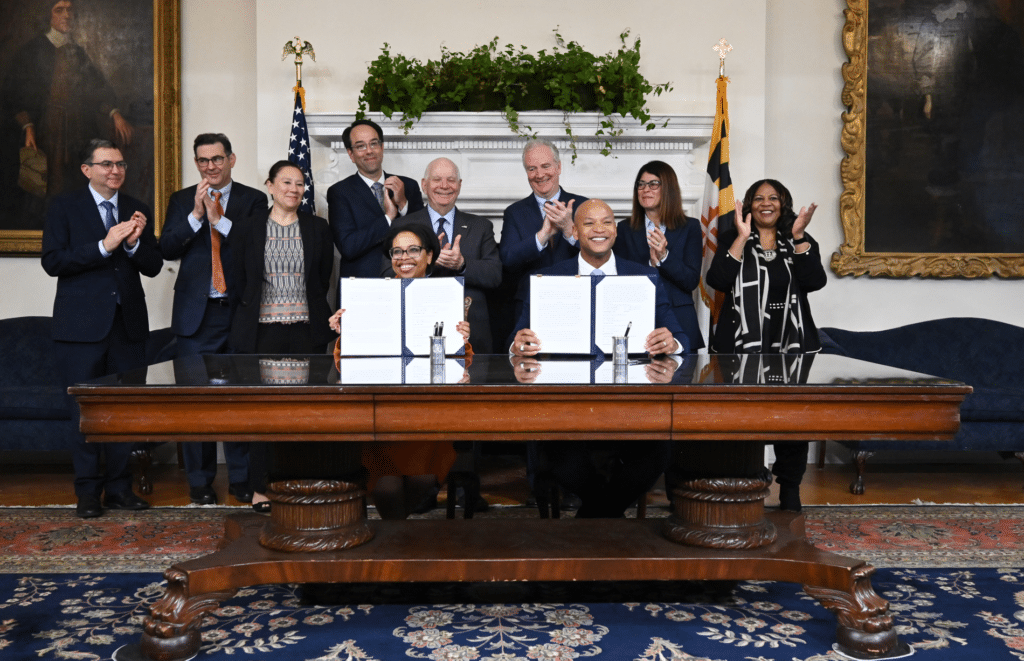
column 124, row 501
column 241, row 492
column 88, row 507
column 202, row 495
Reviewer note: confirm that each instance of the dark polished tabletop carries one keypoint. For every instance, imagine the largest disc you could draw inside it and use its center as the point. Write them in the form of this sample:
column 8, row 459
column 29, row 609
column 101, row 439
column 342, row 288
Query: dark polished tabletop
column 251, row 371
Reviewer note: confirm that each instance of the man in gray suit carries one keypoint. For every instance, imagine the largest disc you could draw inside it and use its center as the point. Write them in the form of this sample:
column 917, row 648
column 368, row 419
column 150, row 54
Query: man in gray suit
column 468, row 248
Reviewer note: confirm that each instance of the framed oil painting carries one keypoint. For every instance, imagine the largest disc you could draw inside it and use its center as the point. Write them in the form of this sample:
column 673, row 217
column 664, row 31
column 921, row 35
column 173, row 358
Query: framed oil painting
column 73, row 70
column 934, row 136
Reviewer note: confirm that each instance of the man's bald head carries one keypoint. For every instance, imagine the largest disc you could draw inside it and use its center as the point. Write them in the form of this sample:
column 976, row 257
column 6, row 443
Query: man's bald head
column 590, row 204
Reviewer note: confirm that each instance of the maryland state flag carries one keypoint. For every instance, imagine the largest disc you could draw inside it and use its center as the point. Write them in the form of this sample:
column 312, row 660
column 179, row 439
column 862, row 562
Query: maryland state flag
column 719, row 208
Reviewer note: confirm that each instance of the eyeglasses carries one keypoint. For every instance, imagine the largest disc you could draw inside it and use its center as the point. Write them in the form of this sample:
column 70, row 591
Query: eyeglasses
column 653, row 184
column 364, row 146
column 412, row 251
column 110, row 165
column 216, row 160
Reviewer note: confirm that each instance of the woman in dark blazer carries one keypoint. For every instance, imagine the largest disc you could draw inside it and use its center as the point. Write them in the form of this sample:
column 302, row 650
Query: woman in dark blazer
column 275, row 311
column 282, row 270
column 660, row 234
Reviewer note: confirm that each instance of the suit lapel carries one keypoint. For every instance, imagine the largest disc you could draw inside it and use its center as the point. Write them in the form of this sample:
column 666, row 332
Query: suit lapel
column 460, row 226
column 89, row 209
column 366, row 195
column 306, row 233
column 234, row 207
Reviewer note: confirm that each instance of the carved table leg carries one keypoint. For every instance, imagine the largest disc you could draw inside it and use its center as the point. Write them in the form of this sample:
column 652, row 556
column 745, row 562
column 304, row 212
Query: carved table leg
column 719, row 499
column 171, row 632
column 315, row 515
column 864, row 628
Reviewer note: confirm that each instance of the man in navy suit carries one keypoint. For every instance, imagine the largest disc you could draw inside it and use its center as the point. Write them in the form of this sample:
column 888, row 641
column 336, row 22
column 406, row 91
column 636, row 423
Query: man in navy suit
column 361, row 208
column 628, row 470
column 96, row 242
column 536, row 232
column 467, row 245
column 197, row 217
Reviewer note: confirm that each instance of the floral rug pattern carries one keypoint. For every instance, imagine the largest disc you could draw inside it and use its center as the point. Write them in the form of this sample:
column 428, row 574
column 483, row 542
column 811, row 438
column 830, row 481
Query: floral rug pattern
column 941, row 614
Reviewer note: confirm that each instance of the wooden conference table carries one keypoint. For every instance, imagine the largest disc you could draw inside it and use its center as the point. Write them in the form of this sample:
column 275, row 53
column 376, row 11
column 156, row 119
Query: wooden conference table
column 723, row 408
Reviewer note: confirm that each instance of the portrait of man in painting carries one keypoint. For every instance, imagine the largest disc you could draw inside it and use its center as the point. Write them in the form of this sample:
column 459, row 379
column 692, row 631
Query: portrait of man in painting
column 72, row 70
column 945, row 127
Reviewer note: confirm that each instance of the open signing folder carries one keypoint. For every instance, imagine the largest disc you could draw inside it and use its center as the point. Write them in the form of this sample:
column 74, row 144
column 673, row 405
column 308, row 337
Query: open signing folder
column 396, row 317
column 581, row 314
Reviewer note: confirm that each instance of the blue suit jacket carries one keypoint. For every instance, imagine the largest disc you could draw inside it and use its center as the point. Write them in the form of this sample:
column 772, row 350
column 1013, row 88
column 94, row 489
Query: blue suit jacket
column 520, row 224
column 358, row 224
column 179, row 241
column 88, row 284
column 663, row 316
column 680, row 273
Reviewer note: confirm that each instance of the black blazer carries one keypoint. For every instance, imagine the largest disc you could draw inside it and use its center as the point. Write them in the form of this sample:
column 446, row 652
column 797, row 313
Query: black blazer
column 808, row 276
column 179, row 241
column 248, row 268
column 88, row 284
column 482, row 270
column 358, row 225
column 680, row 273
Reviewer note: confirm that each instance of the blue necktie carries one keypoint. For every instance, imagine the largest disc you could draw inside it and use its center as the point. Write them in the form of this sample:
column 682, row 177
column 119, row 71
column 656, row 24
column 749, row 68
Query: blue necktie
column 108, row 219
column 378, row 192
column 597, row 272
column 442, row 234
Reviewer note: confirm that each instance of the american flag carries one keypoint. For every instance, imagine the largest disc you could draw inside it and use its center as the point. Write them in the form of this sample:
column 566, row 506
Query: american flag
column 298, row 152
column 719, row 207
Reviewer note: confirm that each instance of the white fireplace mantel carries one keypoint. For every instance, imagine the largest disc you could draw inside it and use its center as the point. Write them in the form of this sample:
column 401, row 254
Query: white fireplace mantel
column 489, row 155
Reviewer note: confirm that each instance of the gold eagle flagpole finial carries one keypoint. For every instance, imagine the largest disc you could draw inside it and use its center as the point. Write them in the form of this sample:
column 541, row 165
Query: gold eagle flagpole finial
column 298, row 48
column 722, row 48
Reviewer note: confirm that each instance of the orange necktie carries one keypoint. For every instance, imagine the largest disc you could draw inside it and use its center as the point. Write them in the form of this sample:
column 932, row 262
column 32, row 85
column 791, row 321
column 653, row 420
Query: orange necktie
column 218, row 269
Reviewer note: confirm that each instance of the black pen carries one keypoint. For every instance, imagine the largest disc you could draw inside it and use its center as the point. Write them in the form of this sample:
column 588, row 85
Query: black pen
column 628, row 326
column 440, row 332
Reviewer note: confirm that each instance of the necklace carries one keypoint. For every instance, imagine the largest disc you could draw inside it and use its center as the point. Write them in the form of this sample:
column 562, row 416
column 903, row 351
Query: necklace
column 769, row 255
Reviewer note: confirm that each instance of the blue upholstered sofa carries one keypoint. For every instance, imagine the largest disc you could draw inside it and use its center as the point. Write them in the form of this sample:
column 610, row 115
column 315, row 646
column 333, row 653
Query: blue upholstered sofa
column 35, row 415
column 987, row 355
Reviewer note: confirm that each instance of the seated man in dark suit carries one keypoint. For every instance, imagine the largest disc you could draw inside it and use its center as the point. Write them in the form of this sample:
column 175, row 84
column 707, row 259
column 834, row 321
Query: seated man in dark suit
column 361, row 208
column 199, row 217
column 536, row 232
column 467, row 245
column 627, row 470
column 96, row 242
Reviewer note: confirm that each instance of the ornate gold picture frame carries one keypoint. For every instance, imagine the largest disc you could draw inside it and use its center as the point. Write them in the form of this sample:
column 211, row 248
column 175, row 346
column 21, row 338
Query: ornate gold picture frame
column 938, row 146
column 155, row 154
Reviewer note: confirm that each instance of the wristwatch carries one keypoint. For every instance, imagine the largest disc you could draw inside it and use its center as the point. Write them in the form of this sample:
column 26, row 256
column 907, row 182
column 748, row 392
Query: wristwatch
column 797, row 242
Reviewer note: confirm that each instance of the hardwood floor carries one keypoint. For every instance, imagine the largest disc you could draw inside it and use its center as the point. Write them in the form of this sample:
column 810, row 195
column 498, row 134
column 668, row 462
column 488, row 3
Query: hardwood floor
column 503, row 480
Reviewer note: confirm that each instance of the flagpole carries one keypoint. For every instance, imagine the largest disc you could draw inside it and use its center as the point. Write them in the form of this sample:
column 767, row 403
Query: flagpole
column 298, row 140
column 718, row 208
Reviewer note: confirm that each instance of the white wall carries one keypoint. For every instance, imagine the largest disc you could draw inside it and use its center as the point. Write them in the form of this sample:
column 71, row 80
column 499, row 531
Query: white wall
column 784, row 103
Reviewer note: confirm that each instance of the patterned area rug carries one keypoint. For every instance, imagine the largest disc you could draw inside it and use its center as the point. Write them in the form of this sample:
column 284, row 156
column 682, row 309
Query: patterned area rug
column 79, row 590
column 55, row 541
column 945, row 615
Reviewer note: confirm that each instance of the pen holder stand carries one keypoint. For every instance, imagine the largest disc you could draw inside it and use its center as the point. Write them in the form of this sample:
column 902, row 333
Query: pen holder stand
column 620, row 349
column 437, row 359
column 437, row 349
column 620, row 372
